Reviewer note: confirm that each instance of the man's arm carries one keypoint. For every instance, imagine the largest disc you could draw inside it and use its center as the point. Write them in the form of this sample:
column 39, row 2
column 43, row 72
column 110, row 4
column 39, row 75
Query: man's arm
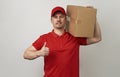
column 97, row 35
column 31, row 53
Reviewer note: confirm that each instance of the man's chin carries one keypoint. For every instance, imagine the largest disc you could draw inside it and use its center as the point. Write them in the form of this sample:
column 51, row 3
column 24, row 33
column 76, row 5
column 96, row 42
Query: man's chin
column 59, row 27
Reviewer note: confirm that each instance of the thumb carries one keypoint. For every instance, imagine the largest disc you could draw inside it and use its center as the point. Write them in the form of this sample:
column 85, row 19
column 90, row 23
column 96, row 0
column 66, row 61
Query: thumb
column 44, row 45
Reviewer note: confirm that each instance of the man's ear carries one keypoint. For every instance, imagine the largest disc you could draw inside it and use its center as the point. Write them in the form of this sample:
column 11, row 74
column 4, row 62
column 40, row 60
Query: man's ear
column 51, row 19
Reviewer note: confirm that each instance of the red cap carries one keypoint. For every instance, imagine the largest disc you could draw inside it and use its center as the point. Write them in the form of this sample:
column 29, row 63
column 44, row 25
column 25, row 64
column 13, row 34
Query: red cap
column 56, row 9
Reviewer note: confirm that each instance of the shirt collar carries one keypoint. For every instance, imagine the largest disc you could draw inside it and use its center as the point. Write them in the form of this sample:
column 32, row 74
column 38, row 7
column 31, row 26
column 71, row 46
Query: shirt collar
column 56, row 35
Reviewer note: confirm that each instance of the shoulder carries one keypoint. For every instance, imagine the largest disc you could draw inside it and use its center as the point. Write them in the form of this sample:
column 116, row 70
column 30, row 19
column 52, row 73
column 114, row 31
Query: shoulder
column 42, row 37
column 70, row 35
column 45, row 35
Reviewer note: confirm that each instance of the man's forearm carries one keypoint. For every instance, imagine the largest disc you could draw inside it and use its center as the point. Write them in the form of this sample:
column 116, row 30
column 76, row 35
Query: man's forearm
column 97, row 35
column 97, row 32
column 30, row 55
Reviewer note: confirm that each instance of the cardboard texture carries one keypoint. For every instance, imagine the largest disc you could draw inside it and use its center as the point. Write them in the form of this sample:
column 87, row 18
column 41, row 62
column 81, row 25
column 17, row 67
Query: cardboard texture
column 82, row 21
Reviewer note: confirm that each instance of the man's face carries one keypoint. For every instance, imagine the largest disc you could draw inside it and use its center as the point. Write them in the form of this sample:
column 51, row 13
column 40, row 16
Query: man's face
column 58, row 20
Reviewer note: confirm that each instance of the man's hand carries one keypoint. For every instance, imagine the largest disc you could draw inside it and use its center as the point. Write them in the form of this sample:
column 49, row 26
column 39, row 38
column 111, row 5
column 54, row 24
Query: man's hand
column 44, row 50
column 89, row 6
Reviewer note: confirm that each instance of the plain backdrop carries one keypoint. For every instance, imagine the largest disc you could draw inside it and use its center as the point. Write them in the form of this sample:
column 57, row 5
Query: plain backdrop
column 23, row 21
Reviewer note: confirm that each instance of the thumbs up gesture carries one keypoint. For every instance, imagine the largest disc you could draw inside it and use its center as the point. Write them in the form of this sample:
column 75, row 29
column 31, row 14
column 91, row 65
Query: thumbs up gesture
column 44, row 50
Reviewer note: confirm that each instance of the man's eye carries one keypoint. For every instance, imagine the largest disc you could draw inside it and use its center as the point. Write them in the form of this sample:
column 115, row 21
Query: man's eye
column 55, row 16
column 61, row 16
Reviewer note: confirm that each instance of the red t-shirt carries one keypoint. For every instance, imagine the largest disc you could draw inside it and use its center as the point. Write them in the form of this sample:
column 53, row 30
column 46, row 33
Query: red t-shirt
column 63, row 58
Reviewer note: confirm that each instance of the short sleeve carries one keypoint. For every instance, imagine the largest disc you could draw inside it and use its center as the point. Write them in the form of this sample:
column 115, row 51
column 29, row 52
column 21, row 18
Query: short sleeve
column 38, row 43
column 82, row 40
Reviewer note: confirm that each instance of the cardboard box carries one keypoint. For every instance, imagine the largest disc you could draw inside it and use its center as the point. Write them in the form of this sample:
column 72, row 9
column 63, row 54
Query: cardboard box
column 82, row 20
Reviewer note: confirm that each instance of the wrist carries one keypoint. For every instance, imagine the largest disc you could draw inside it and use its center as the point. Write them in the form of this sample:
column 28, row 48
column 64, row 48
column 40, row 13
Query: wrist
column 38, row 54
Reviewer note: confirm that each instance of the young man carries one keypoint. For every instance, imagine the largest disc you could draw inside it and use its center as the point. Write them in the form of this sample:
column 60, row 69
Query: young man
column 59, row 48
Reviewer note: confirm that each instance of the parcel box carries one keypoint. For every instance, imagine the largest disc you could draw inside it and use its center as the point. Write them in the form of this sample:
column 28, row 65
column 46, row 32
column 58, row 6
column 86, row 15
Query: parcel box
column 82, row 21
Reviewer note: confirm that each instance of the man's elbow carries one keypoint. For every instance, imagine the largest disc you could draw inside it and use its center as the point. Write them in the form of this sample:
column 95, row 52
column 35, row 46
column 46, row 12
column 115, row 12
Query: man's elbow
column 26, row 56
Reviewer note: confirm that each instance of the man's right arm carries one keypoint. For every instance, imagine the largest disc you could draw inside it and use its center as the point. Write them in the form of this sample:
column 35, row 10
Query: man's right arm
column 31, row 53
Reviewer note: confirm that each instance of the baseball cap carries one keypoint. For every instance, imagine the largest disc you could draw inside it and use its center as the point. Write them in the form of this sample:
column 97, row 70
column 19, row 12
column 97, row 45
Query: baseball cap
column 56, row 9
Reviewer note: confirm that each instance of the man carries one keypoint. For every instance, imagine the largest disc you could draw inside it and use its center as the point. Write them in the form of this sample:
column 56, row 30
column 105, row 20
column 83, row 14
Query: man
column 59, row 48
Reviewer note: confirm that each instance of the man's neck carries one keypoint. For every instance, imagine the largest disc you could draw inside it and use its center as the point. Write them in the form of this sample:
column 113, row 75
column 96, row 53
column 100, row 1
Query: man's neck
column 59, row 31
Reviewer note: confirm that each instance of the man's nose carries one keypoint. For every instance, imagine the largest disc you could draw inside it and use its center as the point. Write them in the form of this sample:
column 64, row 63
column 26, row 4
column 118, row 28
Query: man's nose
column 58, row 18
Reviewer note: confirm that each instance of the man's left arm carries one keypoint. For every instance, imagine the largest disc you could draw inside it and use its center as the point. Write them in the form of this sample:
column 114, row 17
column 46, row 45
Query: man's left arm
column 97, row 35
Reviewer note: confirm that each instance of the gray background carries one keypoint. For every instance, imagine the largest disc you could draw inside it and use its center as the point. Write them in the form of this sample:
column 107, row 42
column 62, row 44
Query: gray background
column 22, row 21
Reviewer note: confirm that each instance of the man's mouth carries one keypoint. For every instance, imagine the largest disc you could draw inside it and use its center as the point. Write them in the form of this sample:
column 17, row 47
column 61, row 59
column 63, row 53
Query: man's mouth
column 58, row 23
